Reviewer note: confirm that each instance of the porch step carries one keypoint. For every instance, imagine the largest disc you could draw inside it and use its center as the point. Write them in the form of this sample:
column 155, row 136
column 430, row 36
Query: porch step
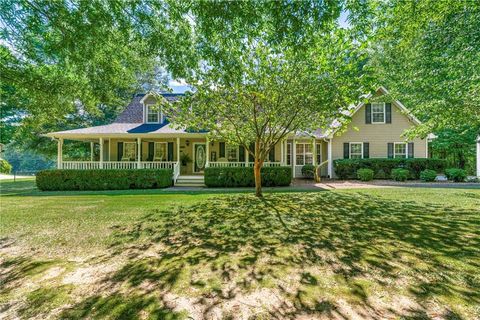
column 190, row 181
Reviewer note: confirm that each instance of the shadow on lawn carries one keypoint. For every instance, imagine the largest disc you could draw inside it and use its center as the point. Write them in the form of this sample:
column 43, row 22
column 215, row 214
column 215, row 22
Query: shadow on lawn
column 296, row 245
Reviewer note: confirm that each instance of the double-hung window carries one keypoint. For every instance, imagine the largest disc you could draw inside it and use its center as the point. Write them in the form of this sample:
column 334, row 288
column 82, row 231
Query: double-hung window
column 231, row 152
column 129, row 151
column 319, row 153
column 304, row 154
column 160, row 152
column 153, row 114
column 400, row 150
column 378, row 112
column 356, row 150
column 289, row 153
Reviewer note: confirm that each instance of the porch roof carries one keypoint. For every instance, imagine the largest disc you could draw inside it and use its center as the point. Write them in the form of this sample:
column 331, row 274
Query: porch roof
column 125, row 129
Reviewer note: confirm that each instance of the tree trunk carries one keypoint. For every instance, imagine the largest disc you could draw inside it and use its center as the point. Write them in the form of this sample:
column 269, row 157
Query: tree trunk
column 257, row 171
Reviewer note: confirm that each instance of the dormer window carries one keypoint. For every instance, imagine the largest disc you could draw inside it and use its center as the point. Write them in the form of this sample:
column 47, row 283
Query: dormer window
column 153, row 114
column 378, row 112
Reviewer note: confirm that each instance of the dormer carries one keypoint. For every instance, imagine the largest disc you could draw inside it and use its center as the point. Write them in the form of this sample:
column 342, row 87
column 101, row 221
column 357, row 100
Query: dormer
column 152, row 110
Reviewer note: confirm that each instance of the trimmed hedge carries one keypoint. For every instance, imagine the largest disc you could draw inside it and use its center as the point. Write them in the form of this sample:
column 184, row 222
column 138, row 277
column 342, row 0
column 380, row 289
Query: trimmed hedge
column 98, row 179
column 428, row 175
column 400, row 174
column 382, row 167
column 365, row 174
column 243, row 177
column 455, row 174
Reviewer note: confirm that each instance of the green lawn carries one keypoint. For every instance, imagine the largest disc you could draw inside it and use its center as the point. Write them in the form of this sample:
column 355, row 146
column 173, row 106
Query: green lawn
column 396, row 253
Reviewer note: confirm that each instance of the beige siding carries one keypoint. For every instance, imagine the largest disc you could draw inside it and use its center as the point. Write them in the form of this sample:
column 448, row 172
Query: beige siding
column 377, row 135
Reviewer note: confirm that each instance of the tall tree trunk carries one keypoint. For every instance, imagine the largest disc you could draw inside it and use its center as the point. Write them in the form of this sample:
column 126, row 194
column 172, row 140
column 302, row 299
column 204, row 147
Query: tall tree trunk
column 257, row 171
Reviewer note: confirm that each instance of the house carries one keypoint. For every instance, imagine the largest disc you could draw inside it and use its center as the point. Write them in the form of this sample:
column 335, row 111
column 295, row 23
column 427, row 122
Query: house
column 142, row 137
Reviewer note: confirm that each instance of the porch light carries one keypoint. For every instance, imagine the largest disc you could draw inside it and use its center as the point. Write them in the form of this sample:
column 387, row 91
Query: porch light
column 187, row 142
column 212, row 143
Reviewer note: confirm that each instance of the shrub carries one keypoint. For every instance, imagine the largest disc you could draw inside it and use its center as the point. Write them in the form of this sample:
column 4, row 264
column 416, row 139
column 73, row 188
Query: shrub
column 243, row 177
column 428, row 175
column 347, row 168
column 457, row 175
column 400, row 174
column 365, row 174
column 99, row 179
column 308, row 171
column 5, row 167
column 380, row 174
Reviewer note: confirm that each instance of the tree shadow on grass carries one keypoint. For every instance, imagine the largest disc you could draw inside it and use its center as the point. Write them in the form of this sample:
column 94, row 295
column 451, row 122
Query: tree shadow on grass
column 310, row 248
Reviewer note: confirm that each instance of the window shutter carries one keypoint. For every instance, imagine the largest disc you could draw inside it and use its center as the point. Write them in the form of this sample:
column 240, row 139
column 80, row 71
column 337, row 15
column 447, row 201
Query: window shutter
column 388, row 113
column 390, row 149
column 119, row 151
column 170, row 151
column 251, row 158
column 241, row 154
column 346, row 150
column 151, row 151
column 141, row 150
column 221, row 153
column 410, row 150
column 368, row 113
column 271, row 154
column 366, row 150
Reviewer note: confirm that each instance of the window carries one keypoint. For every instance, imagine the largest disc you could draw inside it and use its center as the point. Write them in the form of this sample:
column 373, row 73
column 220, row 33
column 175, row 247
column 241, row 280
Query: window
column 129, row 151
column 356, row 150
column 231, row 152
column 304, row 154
column 153, row 114
column 378, row 112
column 400, row 150
column 160, row 151
column 319, row 153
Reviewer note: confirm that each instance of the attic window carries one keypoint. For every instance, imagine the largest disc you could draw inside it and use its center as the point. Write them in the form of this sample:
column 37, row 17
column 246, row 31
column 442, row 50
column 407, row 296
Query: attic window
column 378, row 112
column 153, row 114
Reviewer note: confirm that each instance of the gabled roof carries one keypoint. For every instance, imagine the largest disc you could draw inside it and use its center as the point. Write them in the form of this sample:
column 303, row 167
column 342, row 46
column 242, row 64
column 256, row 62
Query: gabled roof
column 133, row 113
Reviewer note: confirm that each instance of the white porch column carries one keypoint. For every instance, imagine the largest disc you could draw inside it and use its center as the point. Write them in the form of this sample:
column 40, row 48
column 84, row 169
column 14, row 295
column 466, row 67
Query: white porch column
column 91, row 151
column 101, row 153
column 478, row 156
column 329, row 155
column 314, row 151
column 139, row 153
column 207, row 150
column 178, row 149
column 282, row 158
column 59, row 153
column 294, row 153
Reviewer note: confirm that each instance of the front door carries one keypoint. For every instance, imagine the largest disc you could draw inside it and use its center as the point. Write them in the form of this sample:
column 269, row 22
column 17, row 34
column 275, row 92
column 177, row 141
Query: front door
column 200, row 157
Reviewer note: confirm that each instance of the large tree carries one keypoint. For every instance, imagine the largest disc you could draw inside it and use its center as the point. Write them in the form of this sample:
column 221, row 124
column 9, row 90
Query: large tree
column 428, row 55
column 273, row 92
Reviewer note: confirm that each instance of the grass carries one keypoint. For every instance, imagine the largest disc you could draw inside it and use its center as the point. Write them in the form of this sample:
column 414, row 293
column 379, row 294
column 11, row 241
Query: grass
column 148, row 254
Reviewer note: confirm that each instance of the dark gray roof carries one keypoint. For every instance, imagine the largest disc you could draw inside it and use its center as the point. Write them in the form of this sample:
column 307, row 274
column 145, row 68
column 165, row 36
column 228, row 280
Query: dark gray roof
column 133, row 113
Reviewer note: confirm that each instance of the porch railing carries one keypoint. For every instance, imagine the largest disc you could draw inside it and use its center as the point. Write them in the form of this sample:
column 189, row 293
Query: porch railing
column 176, row 171
column 81, row 165
column 86, row 165
column 241, row 164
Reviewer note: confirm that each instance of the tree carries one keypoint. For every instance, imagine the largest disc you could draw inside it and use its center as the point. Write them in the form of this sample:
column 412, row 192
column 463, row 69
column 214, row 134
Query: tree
column 427, row 53
column 274, row 92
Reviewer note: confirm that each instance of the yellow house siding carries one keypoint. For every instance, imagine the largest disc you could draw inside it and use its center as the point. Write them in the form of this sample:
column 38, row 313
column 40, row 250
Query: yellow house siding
column 377, row 135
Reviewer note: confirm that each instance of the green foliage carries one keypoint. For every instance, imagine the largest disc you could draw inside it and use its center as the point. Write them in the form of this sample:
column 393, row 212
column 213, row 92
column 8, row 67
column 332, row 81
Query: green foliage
column 428, row 175
column 243, row 177
column 53, row 180
column 455, row 174
column 400, row 174
column 365, row 174
column 5, row 167
column 347, row 168
column 27, row 160
column 308, row 171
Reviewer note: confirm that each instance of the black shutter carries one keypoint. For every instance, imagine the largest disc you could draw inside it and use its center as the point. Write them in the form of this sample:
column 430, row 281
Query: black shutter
column 390, row 149
column 346, row 150
column 366, row 150
column 151, row 151
column 221, row 153
column 251, row 158
column 141, row 149
column 410, row 150
column 170, row 151
column 271, row 154
column 241, row 154
column 388, row 113
column 368, row 113
column 119, row 151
